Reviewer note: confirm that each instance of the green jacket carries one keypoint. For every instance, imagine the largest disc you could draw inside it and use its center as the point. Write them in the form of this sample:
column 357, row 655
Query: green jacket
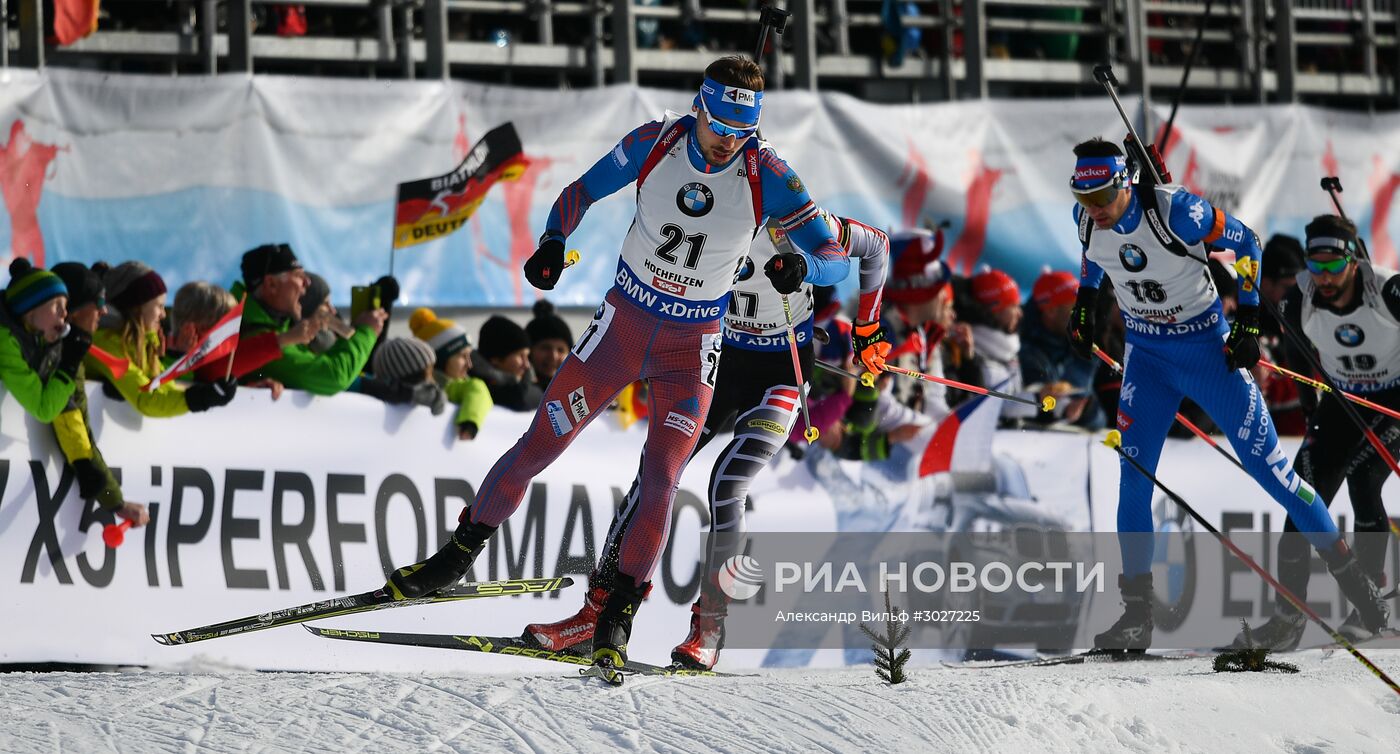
column 472, row 397
column 74, row 433
column 28, row 367
column 166, row 400
column 299, row 368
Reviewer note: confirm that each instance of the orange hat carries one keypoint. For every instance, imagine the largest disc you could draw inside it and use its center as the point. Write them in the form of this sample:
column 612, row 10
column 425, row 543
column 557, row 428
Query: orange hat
column 1055, row 288
column 995, row 290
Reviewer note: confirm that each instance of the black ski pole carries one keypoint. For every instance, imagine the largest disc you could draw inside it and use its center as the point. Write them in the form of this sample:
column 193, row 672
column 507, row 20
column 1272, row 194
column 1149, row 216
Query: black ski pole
column 769, row 19
column 1185, row 75
column 1333, row 186
column 1114, row 440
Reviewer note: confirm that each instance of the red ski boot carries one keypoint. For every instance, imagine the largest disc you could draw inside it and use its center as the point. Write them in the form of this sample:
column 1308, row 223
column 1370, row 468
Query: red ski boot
column 575, row 630
column 700, row 650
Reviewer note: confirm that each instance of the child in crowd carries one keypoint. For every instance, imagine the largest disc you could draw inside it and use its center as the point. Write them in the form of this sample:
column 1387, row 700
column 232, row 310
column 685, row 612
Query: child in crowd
column 406, row 365
column 136, row 294
column 453, row 353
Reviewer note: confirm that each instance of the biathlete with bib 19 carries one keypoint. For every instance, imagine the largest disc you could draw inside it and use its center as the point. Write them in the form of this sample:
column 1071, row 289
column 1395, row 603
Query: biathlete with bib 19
column 757, row 394
column 1150, row 240
column 705, row 185
column 1349, row 311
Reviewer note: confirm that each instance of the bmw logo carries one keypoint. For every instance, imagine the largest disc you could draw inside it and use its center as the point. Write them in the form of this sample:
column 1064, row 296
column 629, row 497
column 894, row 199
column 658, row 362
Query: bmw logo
column 1350, row 335
column 695, row 199
column 1132, row 257
column 745, row 269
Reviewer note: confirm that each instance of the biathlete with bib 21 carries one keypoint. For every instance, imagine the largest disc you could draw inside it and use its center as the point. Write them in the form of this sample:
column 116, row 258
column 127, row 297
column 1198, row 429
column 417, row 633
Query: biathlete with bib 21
column 705, row 185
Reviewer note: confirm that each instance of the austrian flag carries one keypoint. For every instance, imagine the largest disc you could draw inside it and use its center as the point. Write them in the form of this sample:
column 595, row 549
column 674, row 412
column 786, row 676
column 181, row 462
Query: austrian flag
column 220, row 341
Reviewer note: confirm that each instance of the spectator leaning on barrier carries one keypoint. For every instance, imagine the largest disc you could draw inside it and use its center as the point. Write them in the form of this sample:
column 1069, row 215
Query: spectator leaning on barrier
column 87, row 302
column 39, row 361
column 198, row 307
column 452, row 350
column 1047, row 359
column 550, row 342
column 405, row 366
column 132, row 332
column 275, row 282
column 505, row 365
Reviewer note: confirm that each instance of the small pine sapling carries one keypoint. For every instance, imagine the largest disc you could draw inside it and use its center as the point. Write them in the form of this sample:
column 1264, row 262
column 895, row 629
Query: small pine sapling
column 1250, row 659
column 890, row 654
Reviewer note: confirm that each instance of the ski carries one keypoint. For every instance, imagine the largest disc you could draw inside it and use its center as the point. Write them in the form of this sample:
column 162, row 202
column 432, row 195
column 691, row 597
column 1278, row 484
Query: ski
column 1092, row 656
column 508, row 646
column 364, row 602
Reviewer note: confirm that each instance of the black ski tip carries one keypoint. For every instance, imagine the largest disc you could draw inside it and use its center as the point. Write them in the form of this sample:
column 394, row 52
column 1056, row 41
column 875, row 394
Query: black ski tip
column 166, row 640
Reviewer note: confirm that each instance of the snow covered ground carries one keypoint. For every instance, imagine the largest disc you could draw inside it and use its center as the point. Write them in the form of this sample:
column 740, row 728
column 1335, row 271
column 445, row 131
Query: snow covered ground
column 1334, row 705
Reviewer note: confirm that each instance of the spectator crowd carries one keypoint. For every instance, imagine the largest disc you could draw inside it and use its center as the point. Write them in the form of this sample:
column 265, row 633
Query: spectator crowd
column 118, row 326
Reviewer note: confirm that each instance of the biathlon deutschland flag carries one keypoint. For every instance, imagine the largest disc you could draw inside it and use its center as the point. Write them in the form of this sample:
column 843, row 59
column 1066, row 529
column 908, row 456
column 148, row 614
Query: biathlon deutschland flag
column 435, row 207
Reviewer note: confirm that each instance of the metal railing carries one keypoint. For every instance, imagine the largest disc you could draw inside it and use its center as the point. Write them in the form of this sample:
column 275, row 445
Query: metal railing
column 1341, row 51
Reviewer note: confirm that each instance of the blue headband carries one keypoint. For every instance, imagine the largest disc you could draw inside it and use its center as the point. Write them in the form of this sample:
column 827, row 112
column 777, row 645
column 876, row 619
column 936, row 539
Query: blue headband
column 731, row 103
column 1092, row 172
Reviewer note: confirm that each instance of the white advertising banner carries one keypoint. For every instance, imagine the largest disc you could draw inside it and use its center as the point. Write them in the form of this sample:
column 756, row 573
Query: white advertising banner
column 264, row 505
column 186, row 173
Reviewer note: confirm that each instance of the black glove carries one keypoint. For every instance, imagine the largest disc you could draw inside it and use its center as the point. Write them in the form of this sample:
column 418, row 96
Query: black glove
column 91, row 480
column 203, row 396
column 1081, row 322
column 388, row 291
column 1242, row 346
column 74, row 347
column 544, row 267
column 786, row 272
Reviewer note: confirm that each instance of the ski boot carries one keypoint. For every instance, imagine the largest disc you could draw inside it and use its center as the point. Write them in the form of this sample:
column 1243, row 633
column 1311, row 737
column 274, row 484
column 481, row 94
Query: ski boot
column 1372, row 612
column 614, row 628
column 575, row 630
column 1132, row 633
column 442, row 568
column 1281, row 633
column 700, row 650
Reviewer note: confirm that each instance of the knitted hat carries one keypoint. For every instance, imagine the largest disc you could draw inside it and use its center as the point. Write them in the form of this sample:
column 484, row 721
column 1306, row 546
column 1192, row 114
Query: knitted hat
column 84, row 286
column 1283, row 258
column 30, row 286
column 916, row 274
column 400, row 358
column 1055, row 289
column 443, row 335
column 501, row 337
column 995, row 290
column 131, row 284
column 268, row 259
column 317, row 291
column 547, row 325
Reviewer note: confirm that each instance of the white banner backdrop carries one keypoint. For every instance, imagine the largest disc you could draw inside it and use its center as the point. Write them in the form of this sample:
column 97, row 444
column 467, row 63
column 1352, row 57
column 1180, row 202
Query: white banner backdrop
column 186, row 173
column 263, row 505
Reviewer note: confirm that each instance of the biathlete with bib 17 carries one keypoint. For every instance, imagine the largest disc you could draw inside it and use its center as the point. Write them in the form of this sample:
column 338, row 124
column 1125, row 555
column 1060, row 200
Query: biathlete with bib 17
column 705, row 185
column 757, row 394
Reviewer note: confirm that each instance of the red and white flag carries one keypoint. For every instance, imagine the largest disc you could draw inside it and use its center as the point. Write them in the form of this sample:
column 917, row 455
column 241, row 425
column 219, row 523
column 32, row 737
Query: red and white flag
column 220, row 341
